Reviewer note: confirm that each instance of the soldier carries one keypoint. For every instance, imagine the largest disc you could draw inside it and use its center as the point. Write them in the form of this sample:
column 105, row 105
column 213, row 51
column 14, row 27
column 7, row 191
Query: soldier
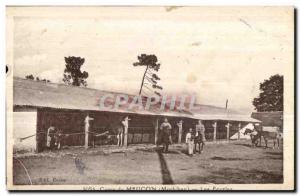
column 189, row 140
column 165, row 128
column 200, row 136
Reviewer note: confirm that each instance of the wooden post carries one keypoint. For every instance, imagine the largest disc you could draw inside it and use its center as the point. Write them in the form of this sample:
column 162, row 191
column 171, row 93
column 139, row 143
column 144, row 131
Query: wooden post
column 239, row 128
column 125, row 136
column 86, row 131
column 227, row 126
column 215, row 131
column 156, row 131
column 179, row 131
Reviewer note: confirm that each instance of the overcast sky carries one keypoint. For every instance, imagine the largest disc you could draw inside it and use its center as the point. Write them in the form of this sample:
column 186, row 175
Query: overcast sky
column 217, row 53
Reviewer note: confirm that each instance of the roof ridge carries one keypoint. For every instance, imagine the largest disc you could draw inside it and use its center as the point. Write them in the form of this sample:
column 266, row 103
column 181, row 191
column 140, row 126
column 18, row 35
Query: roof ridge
column 69, row 86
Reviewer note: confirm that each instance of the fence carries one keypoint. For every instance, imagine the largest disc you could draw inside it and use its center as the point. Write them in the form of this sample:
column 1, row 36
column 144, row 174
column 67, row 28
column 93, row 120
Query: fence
column 140, row 135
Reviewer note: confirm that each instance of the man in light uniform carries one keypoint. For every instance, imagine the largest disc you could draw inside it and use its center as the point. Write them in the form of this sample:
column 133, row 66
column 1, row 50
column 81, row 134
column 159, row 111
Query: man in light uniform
column 189, row 140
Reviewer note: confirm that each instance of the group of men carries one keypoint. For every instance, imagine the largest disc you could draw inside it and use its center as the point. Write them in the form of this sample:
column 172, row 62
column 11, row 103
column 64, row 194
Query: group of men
column 192, row 139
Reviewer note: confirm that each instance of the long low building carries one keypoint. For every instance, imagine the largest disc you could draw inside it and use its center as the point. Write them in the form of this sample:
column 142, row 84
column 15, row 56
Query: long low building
column 37, row 105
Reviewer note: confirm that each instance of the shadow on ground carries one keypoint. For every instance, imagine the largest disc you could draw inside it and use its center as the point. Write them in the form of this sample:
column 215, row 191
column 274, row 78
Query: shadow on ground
column 246, row 145
column 165, row 172
column 274, row 153
column 229, row 159
column 237, row 176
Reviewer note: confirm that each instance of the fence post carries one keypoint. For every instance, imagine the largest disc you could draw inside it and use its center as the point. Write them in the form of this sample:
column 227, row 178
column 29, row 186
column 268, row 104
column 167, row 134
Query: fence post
column 125, row 136
column 156, row 131
column 179, row 124
column 239, row 136
column 86, row 131
column 227, row 126
column 86, row 140
column 215, row 131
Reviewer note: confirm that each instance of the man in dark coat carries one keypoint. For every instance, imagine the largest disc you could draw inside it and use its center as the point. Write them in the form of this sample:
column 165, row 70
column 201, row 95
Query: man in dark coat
column 165, row 128
column 200, row 136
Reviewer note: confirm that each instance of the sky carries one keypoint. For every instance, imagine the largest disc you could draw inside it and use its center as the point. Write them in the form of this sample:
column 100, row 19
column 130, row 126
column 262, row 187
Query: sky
column 217, row 53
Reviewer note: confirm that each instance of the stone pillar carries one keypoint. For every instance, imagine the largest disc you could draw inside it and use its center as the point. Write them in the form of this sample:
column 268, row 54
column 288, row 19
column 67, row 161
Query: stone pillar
column 156, row 131
column 227, row 126
column 215, row 131
column 239, row 128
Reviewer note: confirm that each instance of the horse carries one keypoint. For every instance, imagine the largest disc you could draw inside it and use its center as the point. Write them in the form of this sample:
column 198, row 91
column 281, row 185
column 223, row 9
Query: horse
column 58, row 139
column 254, row 135
column 266, row 135
column 199, row 139
column 166, row 139
column 271, row 135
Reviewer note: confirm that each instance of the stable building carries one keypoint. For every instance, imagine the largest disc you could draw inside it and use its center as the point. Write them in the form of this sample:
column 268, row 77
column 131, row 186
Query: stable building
column 37, row 105
column 270, row 121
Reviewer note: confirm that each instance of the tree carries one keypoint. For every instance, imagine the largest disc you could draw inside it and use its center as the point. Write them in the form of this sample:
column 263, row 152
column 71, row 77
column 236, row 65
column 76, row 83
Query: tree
column 150, row 78
column 29, row 77
column 271, row 95
column 72, row 73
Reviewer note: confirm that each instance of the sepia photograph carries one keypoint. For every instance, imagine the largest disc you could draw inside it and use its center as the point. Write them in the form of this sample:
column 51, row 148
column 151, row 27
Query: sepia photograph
column 150, row 98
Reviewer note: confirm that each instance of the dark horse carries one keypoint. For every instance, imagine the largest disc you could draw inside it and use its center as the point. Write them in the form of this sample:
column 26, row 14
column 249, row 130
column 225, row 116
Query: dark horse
column 166, row 139
column 254, row 135
column 199, row 139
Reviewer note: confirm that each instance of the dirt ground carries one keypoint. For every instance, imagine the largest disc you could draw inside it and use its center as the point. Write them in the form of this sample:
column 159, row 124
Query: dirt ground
column 234, row 163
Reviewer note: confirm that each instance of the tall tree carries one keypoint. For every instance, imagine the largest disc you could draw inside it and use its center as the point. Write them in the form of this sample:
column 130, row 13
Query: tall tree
column 271, row 95
column 72, row 73
column 150, row 78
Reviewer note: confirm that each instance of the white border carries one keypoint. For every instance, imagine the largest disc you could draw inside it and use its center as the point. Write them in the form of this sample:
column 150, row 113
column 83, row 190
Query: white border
column 105, row 2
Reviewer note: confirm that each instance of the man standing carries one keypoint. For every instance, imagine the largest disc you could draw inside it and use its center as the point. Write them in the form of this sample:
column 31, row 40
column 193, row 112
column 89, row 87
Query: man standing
column 50, row 137
column 87, row 126
column 166, row 127
column 179, row 124
column 200, row 136
column 189, row 140
column 58, row 139
column 125, row 127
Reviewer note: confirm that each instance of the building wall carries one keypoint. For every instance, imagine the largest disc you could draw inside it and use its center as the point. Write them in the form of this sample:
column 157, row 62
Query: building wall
column 269, row 119
column 24, row 125
column 68, row 121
